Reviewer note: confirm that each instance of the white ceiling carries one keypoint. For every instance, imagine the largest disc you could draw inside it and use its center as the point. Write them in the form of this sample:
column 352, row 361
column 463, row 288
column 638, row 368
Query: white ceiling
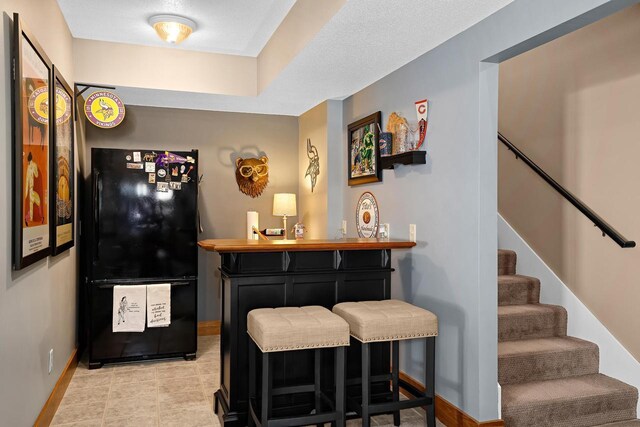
column 237, row 27
column 363, row 42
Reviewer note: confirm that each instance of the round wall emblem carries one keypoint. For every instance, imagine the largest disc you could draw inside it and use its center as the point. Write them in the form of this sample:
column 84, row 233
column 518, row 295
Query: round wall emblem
column 63, row 106
column 367, row 216
column 39, row 104
column 104, row 109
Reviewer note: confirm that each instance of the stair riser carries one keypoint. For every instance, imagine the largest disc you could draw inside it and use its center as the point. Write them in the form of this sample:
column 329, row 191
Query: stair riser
column 519, row 293
column 537, row 367
column 583, row 412
column 506, row 263
column 521, row 327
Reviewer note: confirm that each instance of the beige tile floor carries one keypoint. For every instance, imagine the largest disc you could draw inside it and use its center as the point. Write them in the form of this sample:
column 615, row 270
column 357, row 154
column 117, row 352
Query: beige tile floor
column 165, row 393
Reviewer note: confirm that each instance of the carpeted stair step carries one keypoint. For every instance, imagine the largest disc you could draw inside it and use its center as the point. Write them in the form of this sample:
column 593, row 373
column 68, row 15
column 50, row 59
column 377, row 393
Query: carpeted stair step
column 546, row 358
column 518, row 322
column 517, row 289
column 506, row 262
column 586, row 400
column 629, row 423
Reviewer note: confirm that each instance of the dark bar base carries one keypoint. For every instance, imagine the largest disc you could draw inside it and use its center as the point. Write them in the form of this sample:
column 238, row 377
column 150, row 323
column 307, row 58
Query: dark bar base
column 279, row 279
column 227, row 418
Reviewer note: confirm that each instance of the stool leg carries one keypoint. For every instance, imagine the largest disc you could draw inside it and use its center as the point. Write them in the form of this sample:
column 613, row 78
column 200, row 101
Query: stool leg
column 252, row 380
column 429, row 383
column 366, row 386
column 266, row 389
column 317, row 357
column 395, row 373
column 340, row 380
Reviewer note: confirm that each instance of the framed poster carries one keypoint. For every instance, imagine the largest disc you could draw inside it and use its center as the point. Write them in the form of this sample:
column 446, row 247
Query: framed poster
column 62, row 167
column 31, row 92
column 363, row 150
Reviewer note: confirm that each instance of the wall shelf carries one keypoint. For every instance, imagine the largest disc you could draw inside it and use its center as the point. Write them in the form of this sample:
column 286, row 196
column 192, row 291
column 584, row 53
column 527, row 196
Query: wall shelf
column 408, row 158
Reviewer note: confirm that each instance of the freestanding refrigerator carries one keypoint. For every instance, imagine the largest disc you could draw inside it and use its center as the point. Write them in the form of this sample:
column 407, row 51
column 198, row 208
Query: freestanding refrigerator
column 142, row 229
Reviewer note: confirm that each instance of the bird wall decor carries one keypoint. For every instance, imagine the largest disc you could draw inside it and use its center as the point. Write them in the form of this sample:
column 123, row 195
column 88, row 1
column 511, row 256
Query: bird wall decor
column 314, row 164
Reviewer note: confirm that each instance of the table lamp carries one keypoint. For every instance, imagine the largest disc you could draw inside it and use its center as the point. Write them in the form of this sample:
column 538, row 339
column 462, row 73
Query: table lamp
column 284, row 204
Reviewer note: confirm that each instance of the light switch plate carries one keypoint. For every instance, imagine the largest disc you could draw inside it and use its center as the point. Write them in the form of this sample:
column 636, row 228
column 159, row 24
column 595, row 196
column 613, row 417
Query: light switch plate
column 344, row 227
column 50, row 360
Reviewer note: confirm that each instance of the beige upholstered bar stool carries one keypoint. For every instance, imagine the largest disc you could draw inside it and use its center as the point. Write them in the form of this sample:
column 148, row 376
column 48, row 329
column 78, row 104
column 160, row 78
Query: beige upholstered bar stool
column 392, row 320
column 295, row 329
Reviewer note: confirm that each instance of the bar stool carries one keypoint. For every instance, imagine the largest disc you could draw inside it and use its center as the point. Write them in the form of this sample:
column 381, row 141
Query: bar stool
column 296, row 328
column 392, row 320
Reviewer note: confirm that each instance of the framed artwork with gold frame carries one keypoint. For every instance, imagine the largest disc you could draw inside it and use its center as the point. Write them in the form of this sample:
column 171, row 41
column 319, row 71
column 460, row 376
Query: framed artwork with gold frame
column 62, row 167
column 32, row 136
column 363, row 151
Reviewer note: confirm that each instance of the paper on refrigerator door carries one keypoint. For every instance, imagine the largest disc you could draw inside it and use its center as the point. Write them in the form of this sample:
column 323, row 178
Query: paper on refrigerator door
column 129, row 308
column 158, row 305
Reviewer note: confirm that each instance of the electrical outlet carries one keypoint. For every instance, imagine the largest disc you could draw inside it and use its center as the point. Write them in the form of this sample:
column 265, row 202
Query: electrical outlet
column 344, row 227
column 412, row 233
column 50, row 360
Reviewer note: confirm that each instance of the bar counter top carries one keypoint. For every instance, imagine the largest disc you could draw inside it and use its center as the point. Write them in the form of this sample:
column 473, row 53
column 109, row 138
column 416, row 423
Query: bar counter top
column 245, row 245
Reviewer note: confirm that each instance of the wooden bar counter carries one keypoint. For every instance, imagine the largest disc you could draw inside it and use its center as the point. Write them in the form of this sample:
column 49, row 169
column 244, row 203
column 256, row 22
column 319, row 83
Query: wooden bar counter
column 278, row 273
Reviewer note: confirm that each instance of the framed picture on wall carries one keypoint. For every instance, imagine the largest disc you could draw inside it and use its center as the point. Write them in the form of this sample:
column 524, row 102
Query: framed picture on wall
column 363, row 150
column 32, row 137
column 62, row 167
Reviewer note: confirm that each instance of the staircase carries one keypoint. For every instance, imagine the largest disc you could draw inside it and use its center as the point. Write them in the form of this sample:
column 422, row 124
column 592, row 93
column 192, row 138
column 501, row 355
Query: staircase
column 547, row 377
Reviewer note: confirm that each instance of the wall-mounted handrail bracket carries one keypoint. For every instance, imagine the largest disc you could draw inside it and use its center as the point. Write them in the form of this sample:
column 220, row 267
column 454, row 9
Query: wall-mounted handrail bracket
column 607, row 230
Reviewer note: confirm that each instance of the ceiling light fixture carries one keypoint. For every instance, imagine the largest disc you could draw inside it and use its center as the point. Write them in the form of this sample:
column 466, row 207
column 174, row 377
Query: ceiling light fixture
column 172, row 28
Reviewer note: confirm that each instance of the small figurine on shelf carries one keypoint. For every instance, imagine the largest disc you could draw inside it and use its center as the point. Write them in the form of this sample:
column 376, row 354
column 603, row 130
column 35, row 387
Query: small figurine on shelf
column 298, row 231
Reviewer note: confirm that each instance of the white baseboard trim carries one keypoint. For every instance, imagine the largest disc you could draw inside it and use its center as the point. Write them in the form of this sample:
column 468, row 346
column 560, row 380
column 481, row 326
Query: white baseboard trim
column 615, row 360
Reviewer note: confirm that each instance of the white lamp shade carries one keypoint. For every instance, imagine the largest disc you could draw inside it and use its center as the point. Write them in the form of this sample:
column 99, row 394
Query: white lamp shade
column 284, row 204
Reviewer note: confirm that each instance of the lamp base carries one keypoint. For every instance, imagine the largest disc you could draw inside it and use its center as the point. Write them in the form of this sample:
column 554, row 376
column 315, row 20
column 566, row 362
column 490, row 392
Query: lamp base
column 284, row 225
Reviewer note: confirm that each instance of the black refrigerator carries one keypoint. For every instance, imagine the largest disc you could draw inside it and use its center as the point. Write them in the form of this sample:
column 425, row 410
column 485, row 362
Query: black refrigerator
column 141, row 228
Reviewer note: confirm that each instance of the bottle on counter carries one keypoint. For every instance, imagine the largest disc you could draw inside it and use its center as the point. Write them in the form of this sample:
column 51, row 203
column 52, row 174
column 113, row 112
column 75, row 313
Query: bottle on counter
column 272, row 232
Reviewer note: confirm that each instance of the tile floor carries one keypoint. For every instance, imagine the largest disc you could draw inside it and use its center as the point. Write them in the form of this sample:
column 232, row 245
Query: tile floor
column 163, row 393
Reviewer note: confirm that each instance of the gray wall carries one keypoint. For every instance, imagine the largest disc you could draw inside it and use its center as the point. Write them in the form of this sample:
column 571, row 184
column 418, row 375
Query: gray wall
column 219, row 137
column 452, row 198
column 38, row 303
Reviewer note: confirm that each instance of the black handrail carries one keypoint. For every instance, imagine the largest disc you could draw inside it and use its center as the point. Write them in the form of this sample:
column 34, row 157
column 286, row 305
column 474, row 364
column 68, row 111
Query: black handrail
column 579, row 204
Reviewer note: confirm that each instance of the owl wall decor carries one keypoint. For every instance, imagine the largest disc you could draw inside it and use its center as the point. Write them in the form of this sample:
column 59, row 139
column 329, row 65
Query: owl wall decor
column 252, row 175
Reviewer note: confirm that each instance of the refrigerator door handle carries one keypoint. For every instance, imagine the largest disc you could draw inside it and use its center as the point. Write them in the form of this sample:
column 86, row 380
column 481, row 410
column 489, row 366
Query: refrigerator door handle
column 111, row 285
column 96, row 213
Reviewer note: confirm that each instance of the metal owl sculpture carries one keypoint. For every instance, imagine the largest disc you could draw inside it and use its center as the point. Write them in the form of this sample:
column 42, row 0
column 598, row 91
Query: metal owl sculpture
column 252, row 175
column 314, row 164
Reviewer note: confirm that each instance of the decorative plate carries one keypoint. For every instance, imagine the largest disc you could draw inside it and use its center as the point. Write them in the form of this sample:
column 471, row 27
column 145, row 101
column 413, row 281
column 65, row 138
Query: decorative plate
column 367, row 216
column 104, row 109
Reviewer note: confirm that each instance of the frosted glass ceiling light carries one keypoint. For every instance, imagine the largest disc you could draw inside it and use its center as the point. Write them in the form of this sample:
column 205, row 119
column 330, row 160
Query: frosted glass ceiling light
column 172, row 28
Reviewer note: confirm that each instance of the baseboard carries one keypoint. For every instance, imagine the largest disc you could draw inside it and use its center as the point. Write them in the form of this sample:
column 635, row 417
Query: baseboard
column 449, row 414
column 209, row 327
column 51, row 405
